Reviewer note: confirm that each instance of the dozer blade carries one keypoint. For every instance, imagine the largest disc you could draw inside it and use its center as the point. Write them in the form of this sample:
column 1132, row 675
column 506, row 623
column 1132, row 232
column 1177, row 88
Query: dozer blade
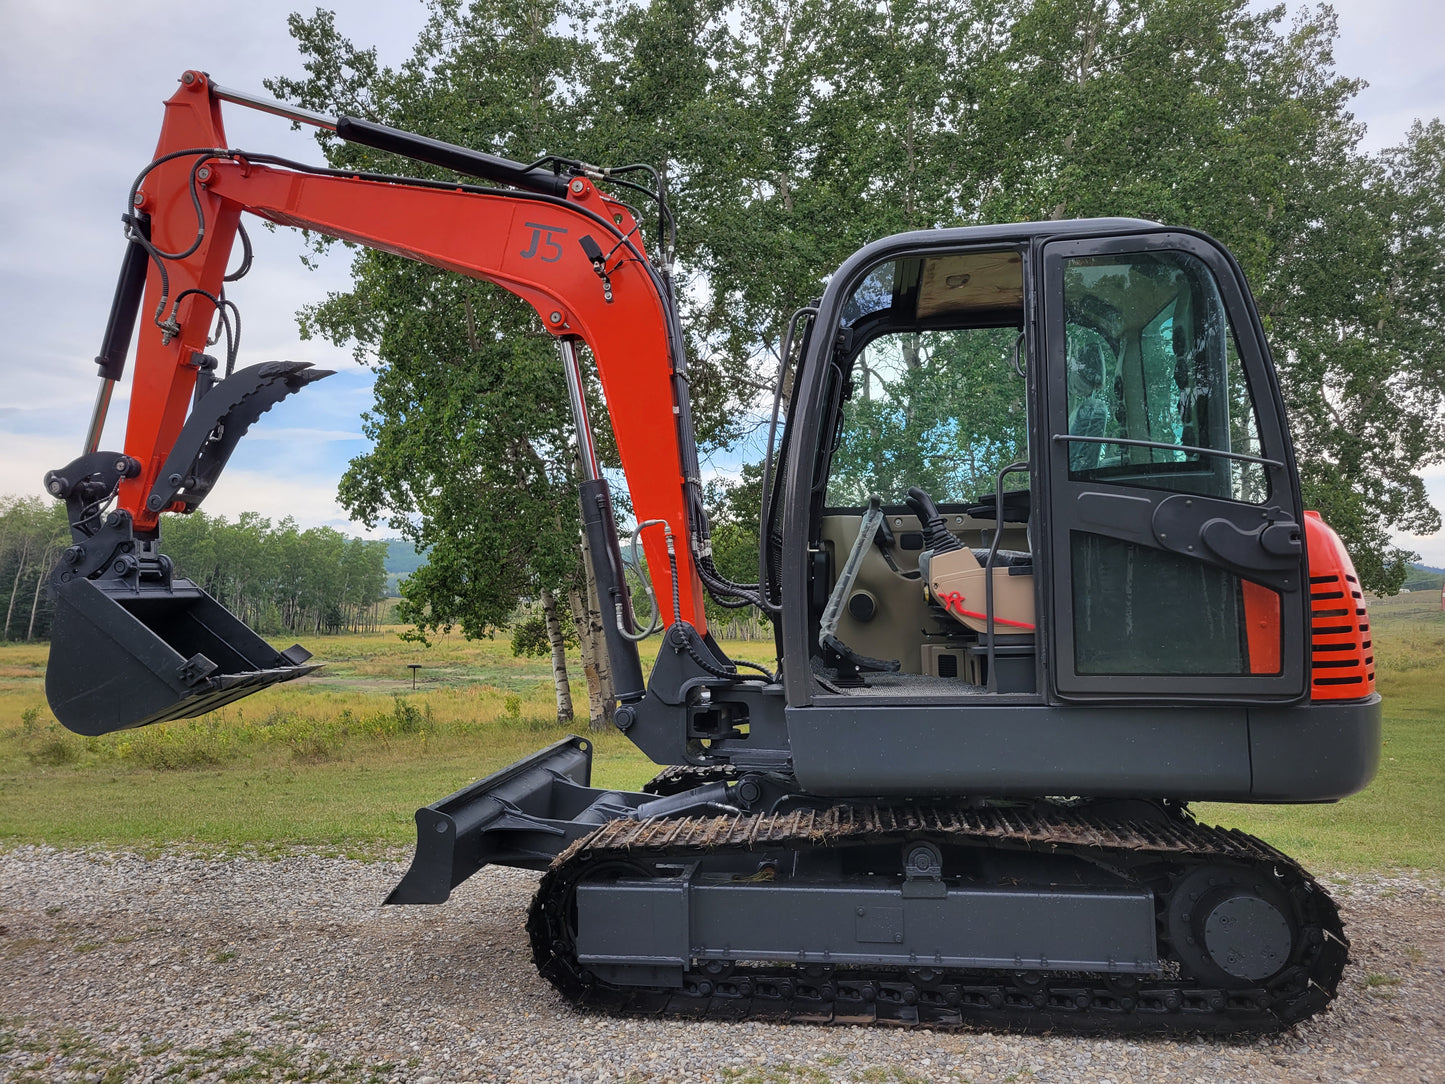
column 124, row 655
column 524, row 815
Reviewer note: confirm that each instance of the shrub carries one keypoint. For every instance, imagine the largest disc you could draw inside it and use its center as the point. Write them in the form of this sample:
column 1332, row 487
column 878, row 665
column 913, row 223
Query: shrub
column 407, row 717
column 54, row 752
column 169, row 748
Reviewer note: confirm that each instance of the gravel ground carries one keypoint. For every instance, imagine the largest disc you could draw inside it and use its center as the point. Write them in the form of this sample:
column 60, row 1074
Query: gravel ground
column 118, row 967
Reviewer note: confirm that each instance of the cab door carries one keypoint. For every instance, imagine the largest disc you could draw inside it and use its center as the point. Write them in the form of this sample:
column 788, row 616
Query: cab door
column 1174, row 519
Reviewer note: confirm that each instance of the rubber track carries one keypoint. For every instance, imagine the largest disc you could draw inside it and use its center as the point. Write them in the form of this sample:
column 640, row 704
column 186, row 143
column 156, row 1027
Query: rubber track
column 1038, row 1001
column 681, row 777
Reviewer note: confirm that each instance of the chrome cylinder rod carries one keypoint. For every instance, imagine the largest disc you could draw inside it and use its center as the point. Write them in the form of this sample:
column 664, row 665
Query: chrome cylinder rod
column 97, row 417
column 271, row 105
column 586, row 449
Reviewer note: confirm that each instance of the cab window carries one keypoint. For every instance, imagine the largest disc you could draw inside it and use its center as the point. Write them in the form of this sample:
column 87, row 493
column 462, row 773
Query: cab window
column 1155, row 383
column 942, row 410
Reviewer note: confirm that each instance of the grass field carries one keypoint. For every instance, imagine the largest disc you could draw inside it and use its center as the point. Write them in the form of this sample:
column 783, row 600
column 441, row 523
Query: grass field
column 342, row 761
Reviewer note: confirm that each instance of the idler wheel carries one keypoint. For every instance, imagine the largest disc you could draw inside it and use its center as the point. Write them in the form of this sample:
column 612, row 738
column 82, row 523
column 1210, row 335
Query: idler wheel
column 1231, row 927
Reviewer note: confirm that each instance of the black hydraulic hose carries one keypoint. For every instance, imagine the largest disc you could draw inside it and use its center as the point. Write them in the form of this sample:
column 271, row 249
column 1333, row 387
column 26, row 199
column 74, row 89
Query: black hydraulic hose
column 246, row 254
column 226, row 310
column 200, row 154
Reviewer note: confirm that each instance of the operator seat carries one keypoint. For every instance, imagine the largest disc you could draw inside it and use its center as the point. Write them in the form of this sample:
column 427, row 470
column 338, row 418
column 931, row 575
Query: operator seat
column 955, row 577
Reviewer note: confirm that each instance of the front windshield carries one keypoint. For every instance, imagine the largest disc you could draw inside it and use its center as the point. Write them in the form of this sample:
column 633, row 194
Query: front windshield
column 942, row 410
column 934, row 397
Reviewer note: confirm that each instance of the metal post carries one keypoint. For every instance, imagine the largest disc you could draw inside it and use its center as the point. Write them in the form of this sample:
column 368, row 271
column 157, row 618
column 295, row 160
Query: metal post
column 573, row 371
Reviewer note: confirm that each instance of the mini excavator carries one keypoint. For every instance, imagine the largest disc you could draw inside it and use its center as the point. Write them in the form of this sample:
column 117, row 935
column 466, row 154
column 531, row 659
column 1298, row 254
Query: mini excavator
column 1034, row 553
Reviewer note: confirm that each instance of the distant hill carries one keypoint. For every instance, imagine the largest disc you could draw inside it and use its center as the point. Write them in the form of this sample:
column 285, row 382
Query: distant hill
column 1424, row 578
column 402, row 557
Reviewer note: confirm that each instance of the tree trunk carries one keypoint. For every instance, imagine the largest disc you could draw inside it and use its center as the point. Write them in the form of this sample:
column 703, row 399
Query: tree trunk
column 35, row 599
column 596, row 706
column 600, row 657
column 559, row 656
column 15, row 587
column 587, row 615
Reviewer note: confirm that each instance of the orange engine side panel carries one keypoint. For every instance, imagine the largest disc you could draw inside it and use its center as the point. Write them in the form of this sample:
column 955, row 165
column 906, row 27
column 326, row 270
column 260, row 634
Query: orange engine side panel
column 1342, row 650
column 1262, row 627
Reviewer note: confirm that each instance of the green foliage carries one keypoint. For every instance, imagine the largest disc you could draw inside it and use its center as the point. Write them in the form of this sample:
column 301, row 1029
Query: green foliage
column 796, row 132
column 734, row 506
column 943, row 410
column 280, row 578
column 471, row 429
column 529, row 634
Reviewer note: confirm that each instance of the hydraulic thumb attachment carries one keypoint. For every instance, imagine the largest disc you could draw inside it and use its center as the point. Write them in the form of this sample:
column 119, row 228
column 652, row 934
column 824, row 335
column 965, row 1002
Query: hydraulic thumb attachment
column 131, row 643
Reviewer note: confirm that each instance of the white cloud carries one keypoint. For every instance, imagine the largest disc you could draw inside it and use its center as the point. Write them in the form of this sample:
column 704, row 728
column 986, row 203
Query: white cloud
column 309, row 503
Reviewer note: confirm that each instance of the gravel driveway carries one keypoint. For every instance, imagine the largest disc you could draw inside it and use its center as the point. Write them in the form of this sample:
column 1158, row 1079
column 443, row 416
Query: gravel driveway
column 117, row 967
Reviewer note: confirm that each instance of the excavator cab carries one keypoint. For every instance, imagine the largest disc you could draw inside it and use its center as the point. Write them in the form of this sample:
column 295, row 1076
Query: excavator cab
column 1098, row 479
column 1038, row 487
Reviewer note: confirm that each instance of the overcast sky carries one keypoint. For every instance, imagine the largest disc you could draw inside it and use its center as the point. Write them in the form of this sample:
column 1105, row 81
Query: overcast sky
column 83, row 83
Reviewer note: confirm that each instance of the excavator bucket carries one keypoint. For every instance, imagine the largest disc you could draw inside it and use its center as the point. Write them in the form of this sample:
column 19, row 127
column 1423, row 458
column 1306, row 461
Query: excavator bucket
column 131, row 644
column 124, row 655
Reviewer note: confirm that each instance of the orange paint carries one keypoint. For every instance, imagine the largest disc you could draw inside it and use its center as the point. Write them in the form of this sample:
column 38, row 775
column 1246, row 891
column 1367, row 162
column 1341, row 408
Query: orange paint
column 1262, row 628
column 1341, row 647
column 528, row 245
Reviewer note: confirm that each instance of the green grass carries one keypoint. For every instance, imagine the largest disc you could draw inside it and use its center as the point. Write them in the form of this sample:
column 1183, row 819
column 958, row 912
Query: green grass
column 339, row 760
column 342, row 760
column 1396, row 822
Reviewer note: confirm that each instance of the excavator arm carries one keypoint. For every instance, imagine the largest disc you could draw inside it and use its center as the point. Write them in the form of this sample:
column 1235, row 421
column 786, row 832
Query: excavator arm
column 553, row 239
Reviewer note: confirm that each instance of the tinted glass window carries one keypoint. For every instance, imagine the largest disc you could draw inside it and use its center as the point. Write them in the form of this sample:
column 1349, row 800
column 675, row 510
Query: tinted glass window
column 943, row 410
column 1152, row 359
column 1145, row 611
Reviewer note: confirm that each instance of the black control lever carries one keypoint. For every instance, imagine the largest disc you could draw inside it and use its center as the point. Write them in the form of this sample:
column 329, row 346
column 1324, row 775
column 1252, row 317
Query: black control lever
column 940, row 539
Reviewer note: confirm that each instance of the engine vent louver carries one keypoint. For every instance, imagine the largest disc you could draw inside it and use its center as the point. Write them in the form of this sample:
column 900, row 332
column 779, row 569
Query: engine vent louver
column 1342, row 651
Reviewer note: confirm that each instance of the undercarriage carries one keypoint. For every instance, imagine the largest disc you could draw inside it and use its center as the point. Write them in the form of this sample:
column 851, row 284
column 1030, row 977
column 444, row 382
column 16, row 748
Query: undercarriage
column 1039, row 916
column 728, row 895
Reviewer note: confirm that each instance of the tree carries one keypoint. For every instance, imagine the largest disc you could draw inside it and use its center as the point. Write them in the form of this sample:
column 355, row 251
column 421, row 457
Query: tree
column 32, row 534
column 797, row 130
column 280, row 578
column 875, row 118
column 1205, row 113
column 472, row 453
